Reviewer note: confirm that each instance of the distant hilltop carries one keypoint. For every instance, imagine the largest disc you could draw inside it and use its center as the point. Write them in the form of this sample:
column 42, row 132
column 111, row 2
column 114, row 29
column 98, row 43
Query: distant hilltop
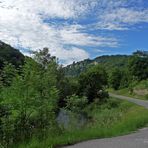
column 141, row 53
column 108, row 61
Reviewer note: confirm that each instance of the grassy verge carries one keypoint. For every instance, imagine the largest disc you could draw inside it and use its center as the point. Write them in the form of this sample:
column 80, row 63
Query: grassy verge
column 111, row 119
column 125, row 92
column 140, row 90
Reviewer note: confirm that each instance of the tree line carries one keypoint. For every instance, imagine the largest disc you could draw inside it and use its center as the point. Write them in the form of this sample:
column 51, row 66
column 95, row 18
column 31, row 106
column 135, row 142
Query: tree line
column 135, row 71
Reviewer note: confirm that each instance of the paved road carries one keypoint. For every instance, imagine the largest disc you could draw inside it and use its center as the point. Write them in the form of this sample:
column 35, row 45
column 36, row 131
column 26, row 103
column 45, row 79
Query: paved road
column 136, row 101
column 135, row 140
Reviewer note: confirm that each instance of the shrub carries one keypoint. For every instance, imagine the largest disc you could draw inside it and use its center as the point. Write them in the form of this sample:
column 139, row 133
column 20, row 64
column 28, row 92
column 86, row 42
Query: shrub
column 91, row 82
column 76, row 103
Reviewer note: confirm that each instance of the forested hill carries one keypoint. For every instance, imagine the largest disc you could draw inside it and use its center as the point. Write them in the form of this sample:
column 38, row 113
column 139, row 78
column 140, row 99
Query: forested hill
column 10, row 55
column 107, row 61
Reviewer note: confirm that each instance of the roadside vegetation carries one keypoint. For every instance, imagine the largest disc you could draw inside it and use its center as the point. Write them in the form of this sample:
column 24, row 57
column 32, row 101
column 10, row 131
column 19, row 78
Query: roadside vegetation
column 32, row 96
column 42, row 107
column 113, row 118
column 140, row 90
column 131, row 80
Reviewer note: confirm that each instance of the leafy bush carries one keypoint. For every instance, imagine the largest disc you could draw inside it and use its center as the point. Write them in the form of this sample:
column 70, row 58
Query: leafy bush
column 91, row 82
column 30, row 103
column 119, row 78
column 138, row 67
column 76, row 103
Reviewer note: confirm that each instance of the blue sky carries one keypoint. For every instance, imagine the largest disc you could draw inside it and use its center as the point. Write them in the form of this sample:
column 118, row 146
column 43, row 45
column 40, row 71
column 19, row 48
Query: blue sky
column 74, row 30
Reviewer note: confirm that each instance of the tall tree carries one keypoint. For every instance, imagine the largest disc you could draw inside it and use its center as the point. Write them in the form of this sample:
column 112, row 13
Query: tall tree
column 92, row 83
column 138, row 67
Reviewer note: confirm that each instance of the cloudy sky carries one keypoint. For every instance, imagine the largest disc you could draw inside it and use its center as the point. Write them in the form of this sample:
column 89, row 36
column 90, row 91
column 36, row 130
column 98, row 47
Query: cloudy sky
column 75, row 29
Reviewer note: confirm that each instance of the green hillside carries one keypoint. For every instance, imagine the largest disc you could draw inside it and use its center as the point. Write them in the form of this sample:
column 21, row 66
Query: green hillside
column 107, row 61
column 10, row 55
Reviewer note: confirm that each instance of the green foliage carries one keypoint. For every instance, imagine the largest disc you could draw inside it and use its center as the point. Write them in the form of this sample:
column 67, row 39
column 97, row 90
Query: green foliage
column 119, row 78
column 142, row 85
column 30, row 102
column 123, row 70
column 8, row 73
column 92, row 83
column 1, row 83
column 10, row 55
column 122, row 118
column 115, row 79
column 76, row 103
column 66, row 86
column 138, row 67
column 31, row 95
column 109, row 62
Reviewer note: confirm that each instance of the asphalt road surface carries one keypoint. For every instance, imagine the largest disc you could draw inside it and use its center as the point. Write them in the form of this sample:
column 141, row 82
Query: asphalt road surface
column 138, row 139
column 136, row 101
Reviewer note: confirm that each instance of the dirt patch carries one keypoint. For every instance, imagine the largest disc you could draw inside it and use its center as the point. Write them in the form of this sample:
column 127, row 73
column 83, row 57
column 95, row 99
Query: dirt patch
column 141, row 92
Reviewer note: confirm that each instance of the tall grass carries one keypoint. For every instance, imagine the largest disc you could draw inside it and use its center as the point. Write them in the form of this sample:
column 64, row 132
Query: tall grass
column 112, row 119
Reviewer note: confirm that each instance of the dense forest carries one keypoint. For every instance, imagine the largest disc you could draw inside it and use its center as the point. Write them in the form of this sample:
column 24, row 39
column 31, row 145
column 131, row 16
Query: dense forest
column 33, row 91
column 10, row 55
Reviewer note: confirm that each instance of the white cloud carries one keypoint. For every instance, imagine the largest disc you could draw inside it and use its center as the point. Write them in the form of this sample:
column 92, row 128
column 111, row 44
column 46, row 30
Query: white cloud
column 22, row 24
column 99, row 51
column 125, row 15
column 51, row 8
column 75, row 54
column 122, row 18
column 57, row 8
column 111, row 26
column 72, row 35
